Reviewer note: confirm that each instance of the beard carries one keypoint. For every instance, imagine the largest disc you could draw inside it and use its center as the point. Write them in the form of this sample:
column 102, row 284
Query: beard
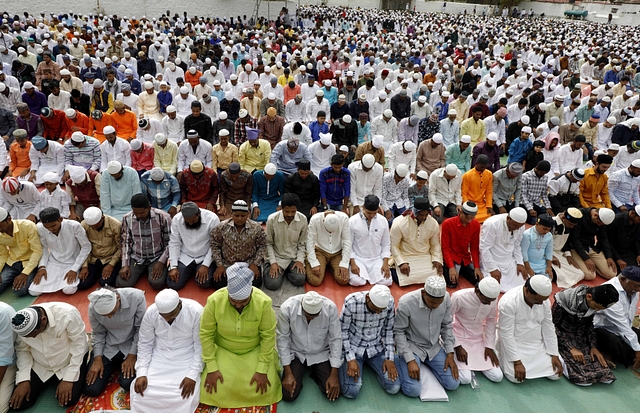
column 195, row 225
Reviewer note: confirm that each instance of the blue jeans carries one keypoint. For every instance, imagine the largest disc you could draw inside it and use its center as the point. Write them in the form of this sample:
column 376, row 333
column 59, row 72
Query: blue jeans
column 395, row 212
column 617, row 210
column 436, row 365
column 351, row 389
column 10, row 272
column 335, row 207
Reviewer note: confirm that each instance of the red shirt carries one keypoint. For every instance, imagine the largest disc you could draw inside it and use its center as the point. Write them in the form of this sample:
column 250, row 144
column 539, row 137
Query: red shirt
column 456, row 241
column 143, row 161
column 202, row 188
column 55, row 127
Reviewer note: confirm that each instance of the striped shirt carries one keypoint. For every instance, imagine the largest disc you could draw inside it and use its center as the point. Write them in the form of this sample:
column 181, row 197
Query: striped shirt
column 89, row 156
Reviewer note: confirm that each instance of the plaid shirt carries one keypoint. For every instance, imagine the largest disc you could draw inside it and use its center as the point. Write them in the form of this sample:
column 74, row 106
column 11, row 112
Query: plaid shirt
column 148, row 240
column 365, row 331
column 534, row 190
column 240, row 133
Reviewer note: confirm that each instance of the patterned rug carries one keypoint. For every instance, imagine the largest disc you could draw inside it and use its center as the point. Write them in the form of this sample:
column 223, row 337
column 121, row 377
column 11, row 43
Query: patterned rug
column 114, row 398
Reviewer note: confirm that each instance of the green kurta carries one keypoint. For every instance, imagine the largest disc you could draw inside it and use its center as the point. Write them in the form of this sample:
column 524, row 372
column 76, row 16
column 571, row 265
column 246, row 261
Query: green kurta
column 239, row 345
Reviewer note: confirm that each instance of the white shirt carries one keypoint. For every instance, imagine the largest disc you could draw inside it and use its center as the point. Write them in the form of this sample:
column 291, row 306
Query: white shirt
column 320, row 158
column 53, row 159
column 147, row 136
column 295, row 112
column 309, row 92
column 212, row 108
column 304, row 136
column 58, row 350
column 191, row 245
column 500, row 250
column 60, row 102
column 568, row 159
column 186, row 155
column 442, row 191
column 183, row 105
column 617, row 319
column 174, row 128
column 131, row 101
column 58, row 199
column 387, row 129
column 364, row 183
column 377, row 107
column 120, row 151
column 397, row 156
column 313, row 107
column 369, row 240
column 339, row 240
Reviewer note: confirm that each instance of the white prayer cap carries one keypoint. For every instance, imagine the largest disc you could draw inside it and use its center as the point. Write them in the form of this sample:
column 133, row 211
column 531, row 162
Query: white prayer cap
column 148, row 85
column 167, row 300
column 541, row 285
column 525, row 120
column 51, row 177
column 325, row 138
column 435, row 286
column 114, row 167
column 171, row 109
column 368, row 160
column 3, row 214
column 452, row 112
column 184, row 90
column 467, row 138
column 223, row 132
column 70, row 112
column 388, row 113
column 160, row 138
column 312, row 303
column 25, row 321
column 451, row 169
column 104, row 301
column 409, row 146
column 380, row 296
column 377, row 140
column 331, row 223
column 423, row 175
column 223, row 115
column 344, row 148
column 612, row 120
column 606, row 215
column 519, row 215
column 402, row 170
column 489, row 287
column 437, row 138
column 108, row 129
column 526, row 129
column 270, row 169
column 136, row 144
column 156, row 174
column 612, row 147
column 65, row 72
column 492, row 136
column 242, row 113
column 76, row 173
column 347, row 118
column 27, row 85
column 77, row 137
column 239, row 281
column 92, row 215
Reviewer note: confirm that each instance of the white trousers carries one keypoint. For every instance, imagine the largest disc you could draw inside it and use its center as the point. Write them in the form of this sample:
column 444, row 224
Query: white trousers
column 493, row 374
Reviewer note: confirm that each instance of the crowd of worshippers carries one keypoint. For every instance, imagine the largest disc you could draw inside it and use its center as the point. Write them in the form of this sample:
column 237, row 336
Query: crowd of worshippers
column 237, row 352
column 371, row 145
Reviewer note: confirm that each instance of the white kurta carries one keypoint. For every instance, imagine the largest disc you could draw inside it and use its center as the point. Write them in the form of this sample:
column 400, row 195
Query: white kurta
column 167, row 353
column 526, row 334
column 50, row 161
column 567, row 274
column 61, row 253
column 23, row 204
column 500, row 250
column 369, row 245
column 474, row 327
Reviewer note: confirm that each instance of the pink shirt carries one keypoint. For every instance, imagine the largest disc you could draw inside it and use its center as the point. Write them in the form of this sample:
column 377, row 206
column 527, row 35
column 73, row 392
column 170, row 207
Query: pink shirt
column 143, row 160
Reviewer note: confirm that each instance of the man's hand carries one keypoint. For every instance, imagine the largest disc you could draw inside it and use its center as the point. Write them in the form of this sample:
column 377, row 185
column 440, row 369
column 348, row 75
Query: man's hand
column 344, row 274
column 533, row 213
column 125, row 273
column 128, row 366
column 496, row 274
column 354, row 267
column 404, row 269
column 557, row 365
column 356, row 209
column 522, row 270
column 491, row 355
column 255, row 269
column 388, row 215
column 65, row 176
column 353, row 370
column 597, row 356
column 274, row 270
column 413, row 369
column 611, row 264
column 636, row 361
column 24, row 173
column 107, row 270
column 202, row 274
column 222, row 211
column 477, row 273
column 288, row 381
column 71, row 277
column 490, row 211
column 572, row 262
column 96, row 370
column 140, row 385
column 556, row 262
column 188, row 387
column 386, row 272
column 550, row 212
column 42, row 273
column 316, row 271
column 173, row 211
column 459, row 209
column 438, row 267
column 63, row 392
column 313, row 211
column 211, row 382
column 528, row 270
column 389, row 367
column 298, row 266
column 623, row 208
column 345, row 209
column 332, row 388
column 519, row 371
column 502, row 210
column 20, row 281
column 74, row 217
column 218, row 273
column 256, row 212
column 156, row 271
column 577, row 355
column 262, row 382
column 549, row 271
column 21, row 393
column 437, row 211
column 84, row 273
column 461, row 354
column 591, row 266
column 450, row 362
column 32, row 176
column 210, row 207
column 453, row 275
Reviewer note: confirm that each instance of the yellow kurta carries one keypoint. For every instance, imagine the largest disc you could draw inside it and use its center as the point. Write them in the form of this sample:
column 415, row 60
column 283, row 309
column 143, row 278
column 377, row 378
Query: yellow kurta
column 478, row 187
column 254, row 159
column 419, row 246
column 474, row 129
column 239, row 345
column 167, row 157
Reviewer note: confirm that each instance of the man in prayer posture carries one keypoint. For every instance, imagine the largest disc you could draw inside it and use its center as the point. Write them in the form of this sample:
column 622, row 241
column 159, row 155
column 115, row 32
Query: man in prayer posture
column 328, row 245
column 115, row 317
column 286, row 245
column 460, row 239
column 65, row 247
column 475, row 312
column 477, row 186
column 238, row 335
column 189, row 249
column 117, row 187
column 527, row 342
column 169, row 356
column 573, row 312
column 566, row 272
column 370, row 245
column 51, row 348
column 309, row 335
column 617, row 339
column 423, row 333
column 500, row 250
column 367, row 321
column 415, row 245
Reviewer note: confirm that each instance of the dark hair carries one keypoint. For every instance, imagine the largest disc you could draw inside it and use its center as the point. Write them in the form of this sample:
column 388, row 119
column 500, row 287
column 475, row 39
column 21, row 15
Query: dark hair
column 140, row 201
column 196, row 104
column 337, row 159
column 290, row 199
column 321, row 113
column 523, row 101
column 623, row 78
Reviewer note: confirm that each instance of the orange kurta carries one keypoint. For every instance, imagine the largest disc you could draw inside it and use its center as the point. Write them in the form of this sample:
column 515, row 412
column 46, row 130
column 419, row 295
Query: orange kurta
column 96, row 126
column 126, row 124
column 78, row 124
column 19, row 158
column 478, row 187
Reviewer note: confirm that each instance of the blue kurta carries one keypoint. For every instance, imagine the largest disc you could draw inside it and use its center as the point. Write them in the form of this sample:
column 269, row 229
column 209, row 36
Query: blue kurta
column 537, row 249
column 267, row 194
column 115, row 195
